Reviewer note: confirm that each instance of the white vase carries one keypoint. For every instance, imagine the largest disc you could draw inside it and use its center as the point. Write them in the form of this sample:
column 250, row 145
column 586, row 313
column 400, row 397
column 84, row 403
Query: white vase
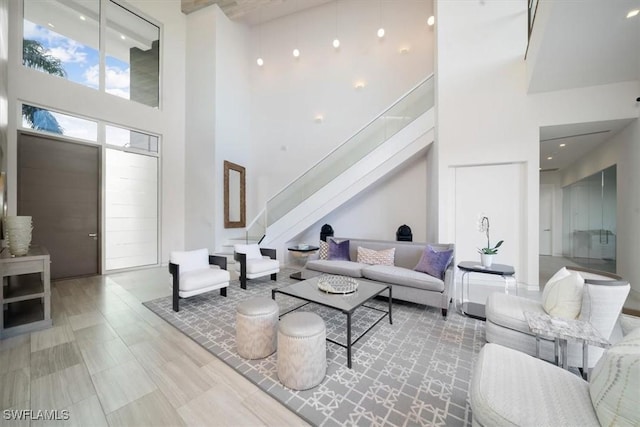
column 486, row 260
column 18, row 229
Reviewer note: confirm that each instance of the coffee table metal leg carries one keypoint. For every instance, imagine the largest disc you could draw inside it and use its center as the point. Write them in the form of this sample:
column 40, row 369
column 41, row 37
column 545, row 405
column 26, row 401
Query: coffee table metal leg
column 390, row 298
column 349, row 340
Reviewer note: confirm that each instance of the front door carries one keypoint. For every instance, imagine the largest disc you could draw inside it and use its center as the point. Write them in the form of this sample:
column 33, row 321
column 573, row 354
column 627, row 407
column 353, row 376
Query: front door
column 59, row 186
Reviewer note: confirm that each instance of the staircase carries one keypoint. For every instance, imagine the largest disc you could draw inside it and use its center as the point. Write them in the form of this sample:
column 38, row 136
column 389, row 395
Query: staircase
column 396, row 135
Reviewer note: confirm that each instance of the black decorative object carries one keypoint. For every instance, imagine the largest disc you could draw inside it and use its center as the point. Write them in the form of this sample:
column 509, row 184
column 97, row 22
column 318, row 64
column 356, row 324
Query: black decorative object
column 404, row 234
column 326, row 231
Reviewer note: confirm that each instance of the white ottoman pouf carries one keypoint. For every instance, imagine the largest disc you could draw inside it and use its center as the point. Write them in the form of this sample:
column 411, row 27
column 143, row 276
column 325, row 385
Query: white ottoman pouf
column 256, row 327
column 302, row 353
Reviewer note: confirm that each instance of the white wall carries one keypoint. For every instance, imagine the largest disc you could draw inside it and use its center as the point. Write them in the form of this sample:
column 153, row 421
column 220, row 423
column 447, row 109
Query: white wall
column 48, row 91
column 485, row 118
column 287, row 94
column 624, row 151
column 377, row 212
column 4, row 48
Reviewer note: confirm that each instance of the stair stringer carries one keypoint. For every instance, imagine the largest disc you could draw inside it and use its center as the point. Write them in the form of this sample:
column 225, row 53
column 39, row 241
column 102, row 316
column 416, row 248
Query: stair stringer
column 405, row 144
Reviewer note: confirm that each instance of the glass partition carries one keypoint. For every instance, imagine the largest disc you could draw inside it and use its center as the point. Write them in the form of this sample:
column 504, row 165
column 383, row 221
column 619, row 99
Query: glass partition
column 589, row 221
column 383, row 127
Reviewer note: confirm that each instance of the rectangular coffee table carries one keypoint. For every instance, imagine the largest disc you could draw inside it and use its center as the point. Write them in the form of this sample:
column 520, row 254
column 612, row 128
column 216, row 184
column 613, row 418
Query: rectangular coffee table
column 308, row 291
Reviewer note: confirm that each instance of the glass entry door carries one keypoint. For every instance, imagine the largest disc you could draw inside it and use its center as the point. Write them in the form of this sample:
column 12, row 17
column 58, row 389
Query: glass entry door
column 589, row 221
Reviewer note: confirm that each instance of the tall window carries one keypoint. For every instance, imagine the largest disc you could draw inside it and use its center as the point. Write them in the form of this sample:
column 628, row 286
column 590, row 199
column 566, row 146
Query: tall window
column 61, row 37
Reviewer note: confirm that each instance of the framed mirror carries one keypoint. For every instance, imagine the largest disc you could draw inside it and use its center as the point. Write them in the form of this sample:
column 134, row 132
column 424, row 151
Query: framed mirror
column 234, row 196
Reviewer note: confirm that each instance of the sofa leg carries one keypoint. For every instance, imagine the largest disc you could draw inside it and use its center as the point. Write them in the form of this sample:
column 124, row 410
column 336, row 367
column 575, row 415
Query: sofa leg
column 243, row 282
column 274, row 276
column 444, row 313
column 223, row 291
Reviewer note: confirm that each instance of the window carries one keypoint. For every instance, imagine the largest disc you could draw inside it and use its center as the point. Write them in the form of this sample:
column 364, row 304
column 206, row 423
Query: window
column 50, row 121
column 61, row 37
column 131, row 139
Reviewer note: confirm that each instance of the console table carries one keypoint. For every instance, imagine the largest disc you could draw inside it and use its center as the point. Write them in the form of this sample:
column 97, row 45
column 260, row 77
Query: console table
column 476, row 310
column 26, row 292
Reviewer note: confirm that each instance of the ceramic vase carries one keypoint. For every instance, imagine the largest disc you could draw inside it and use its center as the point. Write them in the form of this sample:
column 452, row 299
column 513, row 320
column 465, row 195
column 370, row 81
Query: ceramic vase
column 18, row 230
column 486, row 260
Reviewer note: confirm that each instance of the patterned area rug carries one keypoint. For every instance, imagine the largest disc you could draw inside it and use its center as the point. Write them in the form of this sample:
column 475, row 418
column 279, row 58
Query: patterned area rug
column 414, row 372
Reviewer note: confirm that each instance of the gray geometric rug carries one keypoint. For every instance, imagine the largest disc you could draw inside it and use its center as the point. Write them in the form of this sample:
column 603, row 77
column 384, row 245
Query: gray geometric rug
column 415, row 372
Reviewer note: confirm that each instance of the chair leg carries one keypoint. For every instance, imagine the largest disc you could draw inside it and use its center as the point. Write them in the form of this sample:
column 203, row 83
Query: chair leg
column 243, row 282
column 176, row 298
column 223, row 291
column 274, row 276
column 444, row 313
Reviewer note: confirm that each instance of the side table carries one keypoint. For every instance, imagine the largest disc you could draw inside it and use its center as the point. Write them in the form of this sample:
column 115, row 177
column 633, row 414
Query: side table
column 25, row 295
column 561, row 330
column 476, row 310
column 302, row 252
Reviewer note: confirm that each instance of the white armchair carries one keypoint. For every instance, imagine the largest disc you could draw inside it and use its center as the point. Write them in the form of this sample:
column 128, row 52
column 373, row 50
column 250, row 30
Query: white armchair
column 603, row 296
column 254, row 261
column 196, row 272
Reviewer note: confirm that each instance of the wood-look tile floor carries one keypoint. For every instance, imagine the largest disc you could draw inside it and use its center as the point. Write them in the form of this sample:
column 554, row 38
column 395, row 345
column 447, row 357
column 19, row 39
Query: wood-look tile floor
column 111, row 362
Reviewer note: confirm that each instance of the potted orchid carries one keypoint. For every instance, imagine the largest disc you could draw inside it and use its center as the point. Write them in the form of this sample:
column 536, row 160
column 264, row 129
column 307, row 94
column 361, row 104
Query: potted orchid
column 487, row 253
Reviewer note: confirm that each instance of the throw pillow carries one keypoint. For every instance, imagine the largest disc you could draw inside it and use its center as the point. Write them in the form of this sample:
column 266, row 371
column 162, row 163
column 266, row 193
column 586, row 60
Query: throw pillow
column 371, row 257
column 560, row 274
column 324, row 250
column 339, row 251
column 433, row 262
column 252, row 251
column 563, row 298
column 615, row 381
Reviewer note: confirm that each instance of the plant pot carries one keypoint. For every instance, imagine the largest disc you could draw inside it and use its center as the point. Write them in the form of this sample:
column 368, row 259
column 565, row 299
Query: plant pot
column 486, row 260
column 18, row 230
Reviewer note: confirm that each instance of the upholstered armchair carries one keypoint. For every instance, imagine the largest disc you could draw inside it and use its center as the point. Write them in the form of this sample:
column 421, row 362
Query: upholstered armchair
column 603, row 295
column 196, row 272
column 254, row 261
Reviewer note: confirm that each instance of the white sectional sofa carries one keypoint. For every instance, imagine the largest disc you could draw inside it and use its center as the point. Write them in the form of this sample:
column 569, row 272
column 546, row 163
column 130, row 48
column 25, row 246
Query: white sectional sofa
column 407, row 284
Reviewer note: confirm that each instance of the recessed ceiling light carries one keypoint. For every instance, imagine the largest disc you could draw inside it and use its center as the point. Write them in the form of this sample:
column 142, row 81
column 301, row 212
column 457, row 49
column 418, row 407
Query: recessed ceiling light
column 51, row 25
column 336, row 43
column 296, row 53
column 122, row 37
column 260, row 62
column 431, row 21
column 563, row 145
column 380, row 32
column 404, row 49
column 359, row 85
column 633, row 13
column 549, row 158
column 82, row 18
column 319, row 118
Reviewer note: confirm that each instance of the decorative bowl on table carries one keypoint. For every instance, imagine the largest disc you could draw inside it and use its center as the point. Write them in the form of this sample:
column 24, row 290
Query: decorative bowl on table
column 333, row 284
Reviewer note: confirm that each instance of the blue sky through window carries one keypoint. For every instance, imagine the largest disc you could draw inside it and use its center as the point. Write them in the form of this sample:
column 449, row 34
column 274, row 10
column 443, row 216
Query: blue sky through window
column 81, row 62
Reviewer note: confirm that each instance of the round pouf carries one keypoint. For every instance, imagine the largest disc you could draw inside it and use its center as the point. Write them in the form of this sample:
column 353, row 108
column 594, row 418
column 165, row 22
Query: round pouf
column 302, row 354
column 256, row 327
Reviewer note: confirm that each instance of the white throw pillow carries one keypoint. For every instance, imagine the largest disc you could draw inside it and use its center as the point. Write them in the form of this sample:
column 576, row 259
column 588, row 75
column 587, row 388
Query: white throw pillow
column 563, row 297
column 615, row 382
column 560, row 274
column 252, row 251
column 190, row 260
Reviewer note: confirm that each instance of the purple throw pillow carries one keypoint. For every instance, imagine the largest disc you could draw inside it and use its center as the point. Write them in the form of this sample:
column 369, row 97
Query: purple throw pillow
column 339, row 251
column 434, row 263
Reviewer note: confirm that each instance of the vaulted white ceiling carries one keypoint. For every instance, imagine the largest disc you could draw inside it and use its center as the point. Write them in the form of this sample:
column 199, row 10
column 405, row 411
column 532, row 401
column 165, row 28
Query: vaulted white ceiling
column 253, row 11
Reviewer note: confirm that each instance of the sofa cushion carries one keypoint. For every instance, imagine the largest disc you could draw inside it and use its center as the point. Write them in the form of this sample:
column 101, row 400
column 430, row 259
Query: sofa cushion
column 345, row 268
column 510, row 388
column 258, row 266
column 434, row 262
column 563, row 297
column 615, row 383
column 252, row 250
column 371, row 257
column 190, row 260
column 339, row 251
column 508, row 311
column 402, row 276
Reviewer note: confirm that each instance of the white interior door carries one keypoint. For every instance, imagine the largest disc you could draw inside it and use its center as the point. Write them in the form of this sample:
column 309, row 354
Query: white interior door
column 546, row 219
